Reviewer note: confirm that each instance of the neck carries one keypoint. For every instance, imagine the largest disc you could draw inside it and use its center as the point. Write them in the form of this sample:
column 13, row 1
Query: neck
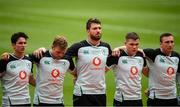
column 129, row 53
column 51, row 53
column 166, row 53
column 18, row 55
column 93, row 42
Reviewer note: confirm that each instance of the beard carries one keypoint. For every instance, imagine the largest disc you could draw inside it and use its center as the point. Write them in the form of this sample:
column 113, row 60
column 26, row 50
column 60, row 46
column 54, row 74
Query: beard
column 96, row 38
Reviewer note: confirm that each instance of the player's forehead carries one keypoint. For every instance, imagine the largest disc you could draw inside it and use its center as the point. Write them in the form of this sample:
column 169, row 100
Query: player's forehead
column 59, row 49
column 168, row 38
column 132, row 41
column 95, row 25
column 21, row 39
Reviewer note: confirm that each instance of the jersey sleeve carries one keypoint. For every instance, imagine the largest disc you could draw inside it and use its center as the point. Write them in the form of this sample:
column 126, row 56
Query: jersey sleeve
column 145, row 62
column 71, row 66
column 111, row 60
column 150, row 53
column 3, row 64
column 179, row 66
column 34, row 58
column 73, row 50
column 32, row 68
column 144, row 59
column 109, row 47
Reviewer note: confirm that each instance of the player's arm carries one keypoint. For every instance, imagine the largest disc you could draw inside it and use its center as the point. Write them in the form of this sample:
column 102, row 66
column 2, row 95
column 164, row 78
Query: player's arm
column 39, row 52
column 3, row 64
column 107, row 69
column 150, row 53
column 146, row 92
column 5, row 56
column 32, row 80
column 145, row 71
column 111, row 61
column 72, row 52
column 74, row 74
column 117, row 51
column 72, row 69
column 1, row 74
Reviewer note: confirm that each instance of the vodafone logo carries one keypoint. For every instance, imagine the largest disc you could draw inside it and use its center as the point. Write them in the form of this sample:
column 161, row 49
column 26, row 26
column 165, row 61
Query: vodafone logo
column 55, row 73
column 96, row 61
column 22, row 75
column 133, row 70
column 170, row 71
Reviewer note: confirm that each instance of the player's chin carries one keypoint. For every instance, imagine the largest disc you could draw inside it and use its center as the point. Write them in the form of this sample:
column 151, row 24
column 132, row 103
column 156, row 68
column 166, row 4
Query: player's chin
column 22, row 50
column 134, row 51
column 170, row 49
column 98, row 37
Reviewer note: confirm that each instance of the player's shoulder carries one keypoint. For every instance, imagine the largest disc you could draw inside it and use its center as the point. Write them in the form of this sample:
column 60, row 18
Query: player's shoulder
column 174, row 53
column 139, row 54
column 66, row 58
column 104, row 44
column 152, row 51
column 123, row 53
column 47, row 54
column 28, row 57
column 80, row 44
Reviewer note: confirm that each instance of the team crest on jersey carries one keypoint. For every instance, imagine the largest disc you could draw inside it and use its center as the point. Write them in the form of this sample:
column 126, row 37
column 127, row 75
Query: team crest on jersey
column 64, row 63
column 22, row 74
column 96, row 61
column 124, row 61
column 86, row 52
column 104, row 52
column 162, row 60
column 29, row 65
column 170, row 71
column 134, row 70
column 12, row 66
column 47, row 62
column 55, row 73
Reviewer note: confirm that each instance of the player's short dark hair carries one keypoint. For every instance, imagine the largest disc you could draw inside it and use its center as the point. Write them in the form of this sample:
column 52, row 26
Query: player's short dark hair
column 90, row 21
column 132, row 35
column 165, row 35
column 16, row 36
column 60, row 41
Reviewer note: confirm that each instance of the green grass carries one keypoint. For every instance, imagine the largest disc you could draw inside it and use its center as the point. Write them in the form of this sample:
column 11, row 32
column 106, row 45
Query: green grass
column 42, row 20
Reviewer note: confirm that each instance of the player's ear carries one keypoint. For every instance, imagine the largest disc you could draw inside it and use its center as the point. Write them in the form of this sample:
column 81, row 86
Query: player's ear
column 13, row 45
column 87, row 30
column 160, row 43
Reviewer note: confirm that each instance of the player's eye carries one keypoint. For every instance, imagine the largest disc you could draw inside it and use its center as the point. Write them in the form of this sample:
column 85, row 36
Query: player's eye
column 169, row 42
